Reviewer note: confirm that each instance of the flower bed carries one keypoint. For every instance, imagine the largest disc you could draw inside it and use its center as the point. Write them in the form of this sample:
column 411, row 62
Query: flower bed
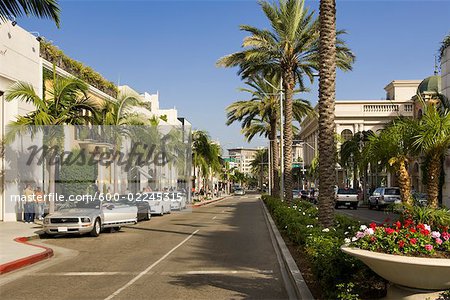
column 339, row 275
column 421, row 232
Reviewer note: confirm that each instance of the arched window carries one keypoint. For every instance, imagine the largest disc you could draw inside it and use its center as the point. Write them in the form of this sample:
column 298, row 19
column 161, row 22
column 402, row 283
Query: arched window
column 346, row 134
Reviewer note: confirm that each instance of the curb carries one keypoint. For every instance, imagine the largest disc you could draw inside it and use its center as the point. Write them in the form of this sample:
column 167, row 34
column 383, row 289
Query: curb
column 22, row 262
column 295, row 276
column 207, row 202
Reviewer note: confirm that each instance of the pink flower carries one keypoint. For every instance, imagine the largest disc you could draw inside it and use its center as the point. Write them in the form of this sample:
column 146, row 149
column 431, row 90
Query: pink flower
column 435, row 234
column 438, row 241
column 360, row 234
column 445, row 236
column 428, row 247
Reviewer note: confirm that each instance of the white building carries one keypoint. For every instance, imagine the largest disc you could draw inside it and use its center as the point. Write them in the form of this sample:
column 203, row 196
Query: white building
column 21, row 59
column 445, row 84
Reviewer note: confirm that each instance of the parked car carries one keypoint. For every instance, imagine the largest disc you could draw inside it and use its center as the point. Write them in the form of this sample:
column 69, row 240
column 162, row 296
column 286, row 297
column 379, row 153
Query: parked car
column 178, row 201
column 239, row 191
column 383, row 196
column 89, row 217
column 159, row 202
column 420, row 198
column 347, row 197
column 304, row 194
column 143, row 208
column 296, row 194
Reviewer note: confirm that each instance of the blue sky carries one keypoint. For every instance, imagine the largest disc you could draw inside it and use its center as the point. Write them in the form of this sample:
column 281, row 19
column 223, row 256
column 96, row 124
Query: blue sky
column 172, row 47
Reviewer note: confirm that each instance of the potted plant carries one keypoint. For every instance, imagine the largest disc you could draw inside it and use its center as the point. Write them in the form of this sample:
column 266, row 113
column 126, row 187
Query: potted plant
column 409, row 252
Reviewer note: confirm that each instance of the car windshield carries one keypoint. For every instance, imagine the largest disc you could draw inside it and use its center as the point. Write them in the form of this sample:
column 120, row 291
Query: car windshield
column 395, row 192
column 347, row 192
column 81, row 204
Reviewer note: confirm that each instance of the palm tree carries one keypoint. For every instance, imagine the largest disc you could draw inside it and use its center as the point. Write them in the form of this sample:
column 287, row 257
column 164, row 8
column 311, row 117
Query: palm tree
column 433, row 139
column 259, row 165
column 327, row 96
column 205, row 156
column 393, row 147
column 290, row 49
column 260, row 115
column 64, row 102
column 41, row 8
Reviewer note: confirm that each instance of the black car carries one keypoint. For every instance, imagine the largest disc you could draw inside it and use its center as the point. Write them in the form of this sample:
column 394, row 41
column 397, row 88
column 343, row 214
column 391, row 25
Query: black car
column 143, row 207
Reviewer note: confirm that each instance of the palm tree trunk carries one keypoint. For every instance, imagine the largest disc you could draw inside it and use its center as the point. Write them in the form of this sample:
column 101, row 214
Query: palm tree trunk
column 275, row 179
column 404, row 183
column 434, row 171
column 289, row 84
column 327, row 94
column 51, row 185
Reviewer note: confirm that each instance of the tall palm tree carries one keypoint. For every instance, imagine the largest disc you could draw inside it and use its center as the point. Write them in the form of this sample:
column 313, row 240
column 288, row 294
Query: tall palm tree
column 41, row 8
column 63, row 102
column 393, row 147
column 205, row 156
column 289, row 49
column 433, row 139
column 260, row 115
column 259, row 165
column 327, row 96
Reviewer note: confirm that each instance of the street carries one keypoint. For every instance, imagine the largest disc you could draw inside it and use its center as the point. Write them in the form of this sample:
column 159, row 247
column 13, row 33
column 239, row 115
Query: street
column 368, row 216
column 222, row 250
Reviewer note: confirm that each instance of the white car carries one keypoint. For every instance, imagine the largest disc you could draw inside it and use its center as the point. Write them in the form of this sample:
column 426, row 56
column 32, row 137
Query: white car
column 347, row 197
column 239, row 192
column 159, row 202
column 177, row 201
column 89, row 217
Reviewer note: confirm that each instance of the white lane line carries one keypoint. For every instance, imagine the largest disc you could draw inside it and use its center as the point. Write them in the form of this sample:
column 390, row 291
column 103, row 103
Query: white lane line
column 218, row 272
column 150, row 267
column 83, row 274
column 214, row 217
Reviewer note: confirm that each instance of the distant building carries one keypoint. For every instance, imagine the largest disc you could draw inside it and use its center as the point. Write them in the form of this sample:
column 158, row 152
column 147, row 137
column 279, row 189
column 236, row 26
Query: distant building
column 241, row 159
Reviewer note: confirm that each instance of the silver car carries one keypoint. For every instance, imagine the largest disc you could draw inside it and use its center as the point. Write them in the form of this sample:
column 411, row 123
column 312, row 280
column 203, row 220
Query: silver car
column 89, row 217
column 383, row 196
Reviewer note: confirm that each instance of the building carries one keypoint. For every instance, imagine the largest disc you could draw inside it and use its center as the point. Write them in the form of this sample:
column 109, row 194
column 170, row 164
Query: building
column 241, row 159
column 445, row 85
column 27, row 58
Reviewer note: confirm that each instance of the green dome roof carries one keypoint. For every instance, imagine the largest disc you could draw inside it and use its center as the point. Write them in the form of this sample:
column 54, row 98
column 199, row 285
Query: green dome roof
column 430, row 84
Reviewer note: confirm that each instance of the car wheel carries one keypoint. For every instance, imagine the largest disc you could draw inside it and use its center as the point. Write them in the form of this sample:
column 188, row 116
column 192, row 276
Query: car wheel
column 162, row 211
column 377, row 206
column 336, row 205
column 149, row 214
column 370, row 205
column 355, row 207
column 97, row 228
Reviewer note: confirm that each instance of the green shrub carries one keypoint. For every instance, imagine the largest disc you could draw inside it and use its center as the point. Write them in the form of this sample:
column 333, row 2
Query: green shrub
column 329, row 264
column 77, row 176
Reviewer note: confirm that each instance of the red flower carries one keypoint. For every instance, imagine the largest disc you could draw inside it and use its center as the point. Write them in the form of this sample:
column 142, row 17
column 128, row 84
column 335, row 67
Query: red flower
column 413, row 241
column 373, row 225
column 428, row 247
column 401, row 244
column 408, row 222
column 373, row 239
column 412, row 230
column 420, row 226
column 425, row 232
column 398, row 224
column 389, row 230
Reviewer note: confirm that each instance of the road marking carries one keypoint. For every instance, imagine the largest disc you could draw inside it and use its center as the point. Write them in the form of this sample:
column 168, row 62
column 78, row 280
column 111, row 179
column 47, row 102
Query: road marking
column 83, row 274
column 218, row 272
column 214, row 217
column 129, row 283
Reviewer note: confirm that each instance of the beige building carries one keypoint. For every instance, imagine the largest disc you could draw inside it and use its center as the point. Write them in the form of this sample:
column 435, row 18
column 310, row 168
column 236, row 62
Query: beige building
column 242, row 158
column 445, row 84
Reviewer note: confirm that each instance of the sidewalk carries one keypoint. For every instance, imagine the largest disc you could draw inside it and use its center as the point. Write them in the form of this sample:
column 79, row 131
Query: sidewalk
column 204, row 202
column 15, row 249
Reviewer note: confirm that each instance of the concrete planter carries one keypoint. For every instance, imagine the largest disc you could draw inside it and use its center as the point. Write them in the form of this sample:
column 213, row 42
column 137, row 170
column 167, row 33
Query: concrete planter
column 412, row 272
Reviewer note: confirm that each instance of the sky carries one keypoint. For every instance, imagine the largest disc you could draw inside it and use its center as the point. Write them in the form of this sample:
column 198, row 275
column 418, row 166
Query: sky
column 171, row 47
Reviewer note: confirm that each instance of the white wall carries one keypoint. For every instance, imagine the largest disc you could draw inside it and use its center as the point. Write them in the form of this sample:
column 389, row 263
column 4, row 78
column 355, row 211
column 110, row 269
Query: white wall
column 445, row 84
column 19, row 61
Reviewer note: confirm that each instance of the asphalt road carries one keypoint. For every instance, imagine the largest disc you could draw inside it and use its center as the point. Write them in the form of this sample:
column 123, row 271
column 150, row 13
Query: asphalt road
column 366, row 215
column 220, row 251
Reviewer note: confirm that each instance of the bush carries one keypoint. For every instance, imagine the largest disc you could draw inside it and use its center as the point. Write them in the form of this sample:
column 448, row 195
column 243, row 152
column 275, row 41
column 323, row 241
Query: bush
column 329, row 264
column 77, row 176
